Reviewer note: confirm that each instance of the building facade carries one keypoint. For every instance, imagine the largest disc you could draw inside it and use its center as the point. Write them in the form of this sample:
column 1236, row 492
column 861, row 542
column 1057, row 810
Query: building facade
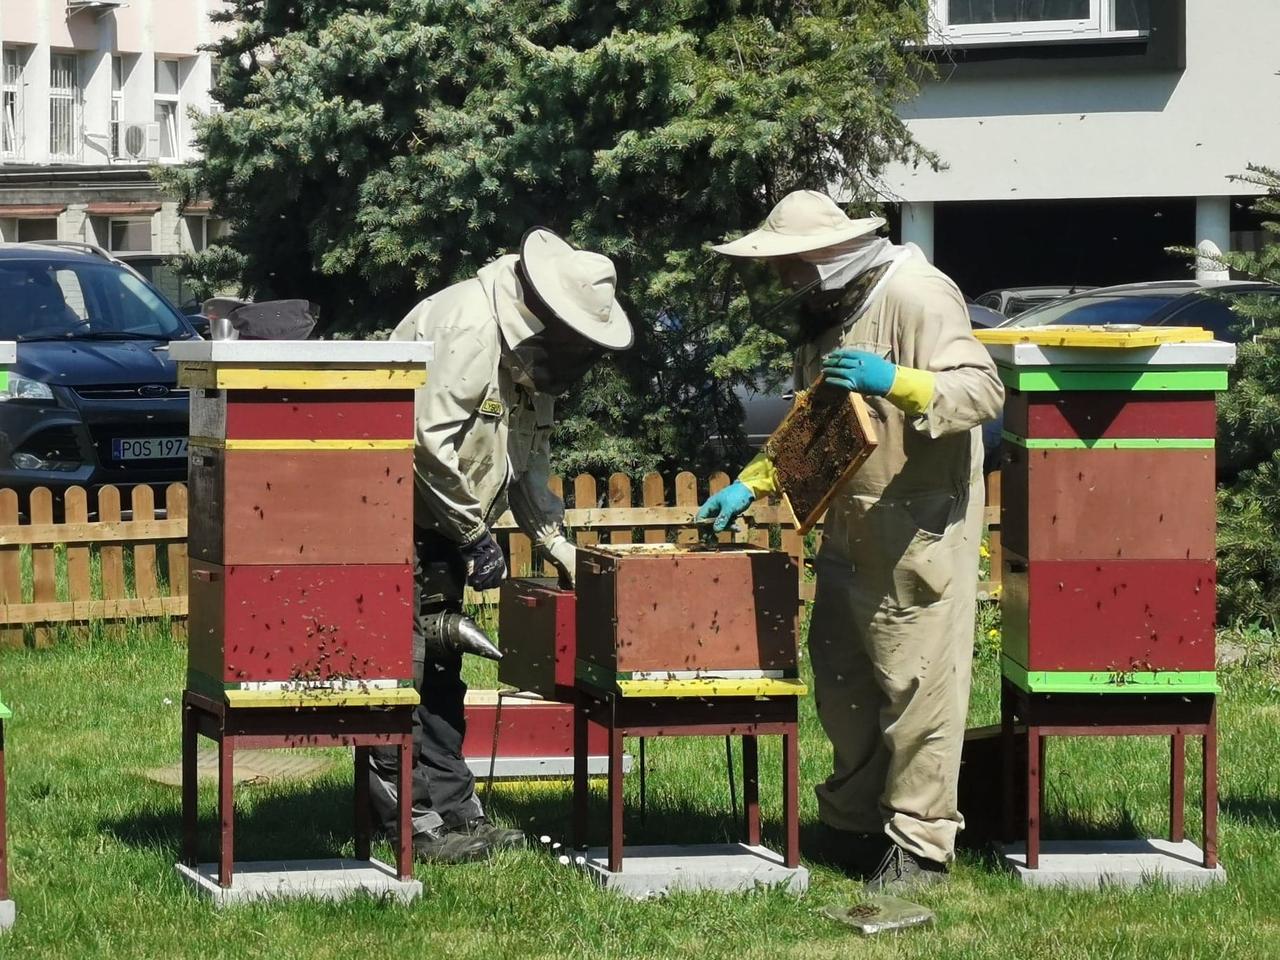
column 94, row 94
column 1081, row 138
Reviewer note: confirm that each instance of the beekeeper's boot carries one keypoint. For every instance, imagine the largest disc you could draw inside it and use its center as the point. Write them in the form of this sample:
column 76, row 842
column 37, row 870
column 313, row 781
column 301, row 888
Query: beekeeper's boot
column 444, row 847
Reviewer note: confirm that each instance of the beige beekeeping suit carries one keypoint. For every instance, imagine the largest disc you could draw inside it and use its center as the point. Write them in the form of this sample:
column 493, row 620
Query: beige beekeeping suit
column 483, row 440
column 891, row 637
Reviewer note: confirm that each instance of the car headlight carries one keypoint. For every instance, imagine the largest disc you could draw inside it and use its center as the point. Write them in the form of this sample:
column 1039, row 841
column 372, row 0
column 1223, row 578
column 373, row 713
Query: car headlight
column 24, row 388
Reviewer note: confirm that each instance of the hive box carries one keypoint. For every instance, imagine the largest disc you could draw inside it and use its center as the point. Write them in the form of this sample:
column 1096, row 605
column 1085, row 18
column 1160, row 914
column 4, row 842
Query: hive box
column 301, row 485
column 665, row 611
column 1108, row 514
column 539, row 637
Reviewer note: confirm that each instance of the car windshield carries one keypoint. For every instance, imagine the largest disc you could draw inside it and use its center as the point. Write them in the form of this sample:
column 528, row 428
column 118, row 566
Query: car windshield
column 1098, row 309
column 81, row 300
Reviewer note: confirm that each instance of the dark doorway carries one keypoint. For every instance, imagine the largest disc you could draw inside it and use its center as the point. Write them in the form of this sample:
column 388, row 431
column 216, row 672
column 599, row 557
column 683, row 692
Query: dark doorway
column 984, row 246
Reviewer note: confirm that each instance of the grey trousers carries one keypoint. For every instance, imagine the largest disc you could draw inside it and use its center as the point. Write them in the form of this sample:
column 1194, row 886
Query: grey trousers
column 444, row 790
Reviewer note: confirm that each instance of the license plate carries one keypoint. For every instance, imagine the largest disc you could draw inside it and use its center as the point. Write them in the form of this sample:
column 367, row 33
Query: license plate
column 149, row 448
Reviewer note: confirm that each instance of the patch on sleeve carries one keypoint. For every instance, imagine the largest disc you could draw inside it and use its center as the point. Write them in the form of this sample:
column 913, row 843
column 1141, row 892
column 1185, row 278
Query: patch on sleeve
column 492, row 408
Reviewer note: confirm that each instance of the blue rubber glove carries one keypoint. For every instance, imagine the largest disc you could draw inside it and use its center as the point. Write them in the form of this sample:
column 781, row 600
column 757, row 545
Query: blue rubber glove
column 727, row 505
column 859, row 371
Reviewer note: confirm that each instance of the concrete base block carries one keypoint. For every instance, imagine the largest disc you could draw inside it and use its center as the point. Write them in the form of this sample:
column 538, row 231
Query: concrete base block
column 1089, row 864
column 549, row 768
column 299, row 879
column 724, row 867
column 8, row 913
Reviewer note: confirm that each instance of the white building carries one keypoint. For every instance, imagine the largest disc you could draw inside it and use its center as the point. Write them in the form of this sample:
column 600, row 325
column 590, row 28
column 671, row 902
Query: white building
column 95, row 92
column 1083, row 137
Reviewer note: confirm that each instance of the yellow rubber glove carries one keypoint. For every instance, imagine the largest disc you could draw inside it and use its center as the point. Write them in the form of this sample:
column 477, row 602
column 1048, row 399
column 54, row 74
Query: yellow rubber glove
column 912, row 390
column 759, row 477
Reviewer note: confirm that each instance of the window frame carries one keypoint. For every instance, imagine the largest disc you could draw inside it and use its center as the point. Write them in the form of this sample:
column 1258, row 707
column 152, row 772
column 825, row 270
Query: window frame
column 1099, row 25
column 111, row 223
column 73, row 97
column 118, row 78
column 12, row 93
column 168, row 102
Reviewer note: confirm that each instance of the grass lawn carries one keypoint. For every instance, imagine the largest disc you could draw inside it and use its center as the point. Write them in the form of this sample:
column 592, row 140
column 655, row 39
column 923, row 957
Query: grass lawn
column 93, row 845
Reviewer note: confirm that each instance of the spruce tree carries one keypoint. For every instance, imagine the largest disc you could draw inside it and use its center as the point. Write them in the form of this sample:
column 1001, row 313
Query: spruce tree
column 372, row 151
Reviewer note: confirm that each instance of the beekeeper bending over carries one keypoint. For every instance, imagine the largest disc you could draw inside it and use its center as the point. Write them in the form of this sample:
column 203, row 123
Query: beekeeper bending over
column 891, row 637
column 507, row 343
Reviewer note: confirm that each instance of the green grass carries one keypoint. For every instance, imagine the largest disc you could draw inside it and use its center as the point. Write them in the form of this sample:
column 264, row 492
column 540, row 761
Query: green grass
column 93, row 846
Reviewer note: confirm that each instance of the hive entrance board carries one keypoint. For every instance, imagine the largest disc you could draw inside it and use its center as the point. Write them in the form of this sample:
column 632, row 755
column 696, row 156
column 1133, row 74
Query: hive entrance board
column 822, row 442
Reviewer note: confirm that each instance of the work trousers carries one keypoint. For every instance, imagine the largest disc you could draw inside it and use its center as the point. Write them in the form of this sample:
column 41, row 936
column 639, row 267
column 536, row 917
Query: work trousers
column 444, row 789
column 891, row 641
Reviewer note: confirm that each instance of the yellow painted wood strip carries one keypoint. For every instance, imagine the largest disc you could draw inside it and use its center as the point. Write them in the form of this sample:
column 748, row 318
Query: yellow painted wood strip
column 274, row 444
column 374, row 697
column 714, row 687
column 315, row 377
column 1099, row 337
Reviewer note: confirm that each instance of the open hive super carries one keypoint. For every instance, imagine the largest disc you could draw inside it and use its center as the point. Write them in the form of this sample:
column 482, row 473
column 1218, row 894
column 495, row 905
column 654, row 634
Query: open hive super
column 301, row 479
column 662, row 610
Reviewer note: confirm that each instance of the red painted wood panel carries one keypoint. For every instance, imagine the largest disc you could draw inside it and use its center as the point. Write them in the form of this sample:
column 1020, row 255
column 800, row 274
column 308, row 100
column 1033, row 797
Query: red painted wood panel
column 1110, row 415
column 714, row 610
column 527, row 730
column 1115, row 615
column 539, row 639
column 317, row 507
column 313, row 415
column 1109, row 504
column 280, row 623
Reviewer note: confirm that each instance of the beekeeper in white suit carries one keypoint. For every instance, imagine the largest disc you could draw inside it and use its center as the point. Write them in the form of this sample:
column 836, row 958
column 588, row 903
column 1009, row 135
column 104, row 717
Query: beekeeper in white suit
column 891, row 637
column 507, row 343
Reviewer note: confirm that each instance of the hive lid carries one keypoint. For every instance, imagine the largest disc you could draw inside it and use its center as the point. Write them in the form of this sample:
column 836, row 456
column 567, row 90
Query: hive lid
column 666, row 550
column 302, row 352
column 1201, row 353
column 1113, row 336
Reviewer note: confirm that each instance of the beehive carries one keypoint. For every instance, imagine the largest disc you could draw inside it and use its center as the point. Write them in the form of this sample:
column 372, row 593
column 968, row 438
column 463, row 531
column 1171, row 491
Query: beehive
column 300, row 538
column 1108, row 514
column 661, row 611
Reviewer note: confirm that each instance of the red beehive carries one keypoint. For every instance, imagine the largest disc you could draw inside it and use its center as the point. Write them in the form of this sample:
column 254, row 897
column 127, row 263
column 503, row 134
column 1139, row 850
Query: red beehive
column 301, row 482
column 669, row 609
column 539, row 637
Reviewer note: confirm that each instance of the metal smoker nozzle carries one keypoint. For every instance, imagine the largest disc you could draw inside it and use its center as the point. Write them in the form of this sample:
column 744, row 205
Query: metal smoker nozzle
column 458, row 633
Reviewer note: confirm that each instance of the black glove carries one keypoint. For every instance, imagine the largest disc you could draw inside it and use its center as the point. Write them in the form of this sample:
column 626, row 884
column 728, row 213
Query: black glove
column 485, row 564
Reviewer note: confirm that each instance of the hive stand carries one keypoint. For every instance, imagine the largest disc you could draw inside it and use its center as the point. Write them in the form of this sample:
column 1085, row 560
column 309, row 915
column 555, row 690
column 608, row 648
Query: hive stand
column 1108, row 523
column 680, row 642
column 301, row 586
column 7, row 911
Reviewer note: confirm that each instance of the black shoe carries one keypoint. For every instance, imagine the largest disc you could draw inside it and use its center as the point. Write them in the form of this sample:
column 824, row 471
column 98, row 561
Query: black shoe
column 862, row 853
column 499, row 838
column 901, row 871
column 450, row 848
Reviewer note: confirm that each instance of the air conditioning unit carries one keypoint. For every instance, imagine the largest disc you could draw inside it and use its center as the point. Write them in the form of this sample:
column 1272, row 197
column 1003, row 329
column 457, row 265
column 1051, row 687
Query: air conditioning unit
column 137, row 140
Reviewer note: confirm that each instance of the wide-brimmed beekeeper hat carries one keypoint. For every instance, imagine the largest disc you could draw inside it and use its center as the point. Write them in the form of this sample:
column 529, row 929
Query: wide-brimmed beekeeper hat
column 801, row 221
column 578, row 286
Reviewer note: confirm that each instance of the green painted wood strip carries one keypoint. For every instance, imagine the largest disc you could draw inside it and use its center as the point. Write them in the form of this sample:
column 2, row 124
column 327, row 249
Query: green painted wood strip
column 1070, row 681
column 5, row 712
column 1136, row 379
column 1119, row 443
column 4, row 380
column 598, row 676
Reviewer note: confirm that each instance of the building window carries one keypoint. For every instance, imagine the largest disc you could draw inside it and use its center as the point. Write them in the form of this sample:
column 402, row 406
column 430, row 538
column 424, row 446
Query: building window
column 167, row 107
column 44, row 228
column 198, row 231
column 64, row 107
column 129, row 236
column 12, row 120
column 1013, row 21
column 117, row 102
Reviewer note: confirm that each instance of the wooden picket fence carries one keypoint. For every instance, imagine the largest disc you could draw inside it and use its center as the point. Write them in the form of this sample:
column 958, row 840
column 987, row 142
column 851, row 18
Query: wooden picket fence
column 72, row 571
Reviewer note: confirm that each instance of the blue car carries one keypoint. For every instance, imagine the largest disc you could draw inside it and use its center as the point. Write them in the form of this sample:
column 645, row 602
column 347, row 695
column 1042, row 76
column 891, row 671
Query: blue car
column 93, row 397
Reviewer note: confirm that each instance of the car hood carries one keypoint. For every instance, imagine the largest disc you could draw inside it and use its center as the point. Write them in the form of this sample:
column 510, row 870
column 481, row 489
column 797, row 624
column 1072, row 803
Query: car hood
column 83, row 363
